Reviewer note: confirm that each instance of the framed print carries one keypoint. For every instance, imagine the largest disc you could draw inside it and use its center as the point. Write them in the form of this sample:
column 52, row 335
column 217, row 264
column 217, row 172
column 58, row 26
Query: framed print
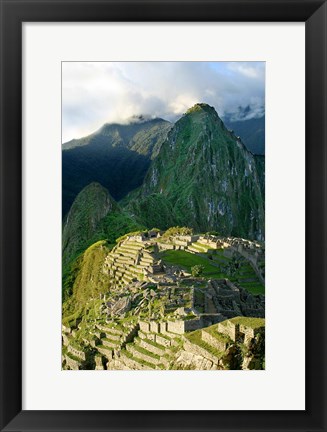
column 163, row 215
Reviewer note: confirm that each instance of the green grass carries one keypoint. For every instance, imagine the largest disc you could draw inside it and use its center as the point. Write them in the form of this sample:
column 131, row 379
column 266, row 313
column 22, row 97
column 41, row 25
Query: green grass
column 188, row 260
column 253, row 287
column 113, row 341
column 155, row 344
column 199, row 245
column 73, row 357
column 248, row 322
column 138, row 360
column 144, row 351
column 212, row 330
column 195, row 338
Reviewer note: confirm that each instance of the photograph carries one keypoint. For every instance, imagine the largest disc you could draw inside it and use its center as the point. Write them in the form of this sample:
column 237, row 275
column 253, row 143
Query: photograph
column 163, row 215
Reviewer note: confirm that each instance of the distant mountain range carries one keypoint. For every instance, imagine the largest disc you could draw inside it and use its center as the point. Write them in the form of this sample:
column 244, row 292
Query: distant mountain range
column 251, row 131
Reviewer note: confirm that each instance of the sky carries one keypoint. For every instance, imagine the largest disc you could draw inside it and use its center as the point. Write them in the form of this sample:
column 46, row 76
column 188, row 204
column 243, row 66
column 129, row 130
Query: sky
column 95, row 93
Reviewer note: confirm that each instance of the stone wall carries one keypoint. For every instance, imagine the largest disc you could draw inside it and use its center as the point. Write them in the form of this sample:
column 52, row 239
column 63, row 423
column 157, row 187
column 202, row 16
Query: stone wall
column 144, row 326
column 197, row 350
column 108, row 353
column 220, row 345
column 66, row 329
column 188, row 360
column 176, row 327
column 189, row 238
column 76, row 352
column 65, row 339
column 154, row 327
column 165, row 246
column 73, row 364
column 181, row 326
column 229, row 329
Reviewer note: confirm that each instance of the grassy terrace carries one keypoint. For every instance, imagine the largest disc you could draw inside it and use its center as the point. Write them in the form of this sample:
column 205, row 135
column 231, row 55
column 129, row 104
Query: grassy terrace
column 253, row 287
column 111, row 341
column 138, row 360
column 212, row 330
column 150, row 342
column 144, row 351
column 188, row 260
column 249, row 322
column 195, row 338
column 73, row 357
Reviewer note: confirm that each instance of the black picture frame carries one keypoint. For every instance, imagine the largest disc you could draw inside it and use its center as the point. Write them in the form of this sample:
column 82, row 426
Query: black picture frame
column 13, row 14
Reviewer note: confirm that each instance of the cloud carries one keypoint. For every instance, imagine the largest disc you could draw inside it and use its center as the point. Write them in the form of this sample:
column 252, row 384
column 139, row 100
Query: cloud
column 100, row 92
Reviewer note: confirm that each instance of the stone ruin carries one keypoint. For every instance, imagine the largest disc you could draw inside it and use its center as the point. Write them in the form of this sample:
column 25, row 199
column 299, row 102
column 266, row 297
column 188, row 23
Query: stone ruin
column 159, row 317
column 236, row 343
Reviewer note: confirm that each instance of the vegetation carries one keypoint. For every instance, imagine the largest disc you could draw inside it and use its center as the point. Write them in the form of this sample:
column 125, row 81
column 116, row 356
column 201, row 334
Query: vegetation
column 195, row 337
column 116, row 156
column 197, row 270
column 187, row 260
column 153, row 210
column 177, row 231
column 231, row 267
column 249, row 322
column 205, row 180
column 94, row 216
column 89, row 281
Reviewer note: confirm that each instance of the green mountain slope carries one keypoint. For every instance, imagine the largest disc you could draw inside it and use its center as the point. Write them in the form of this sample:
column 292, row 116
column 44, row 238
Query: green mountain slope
column 81, row 224
column 117, row 156
column 203, row 177
column 93, row 216
column 87, row 280
column 260, row 164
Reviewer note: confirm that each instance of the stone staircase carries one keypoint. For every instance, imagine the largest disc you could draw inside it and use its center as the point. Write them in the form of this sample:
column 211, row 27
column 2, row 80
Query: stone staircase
column 148, row 351
column 130, row 261
column 198, row 247
column 74, row 357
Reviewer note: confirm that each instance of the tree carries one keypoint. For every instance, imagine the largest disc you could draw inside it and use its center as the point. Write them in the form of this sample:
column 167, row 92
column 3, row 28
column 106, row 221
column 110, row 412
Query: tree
column 176, row 231
column 197, row 270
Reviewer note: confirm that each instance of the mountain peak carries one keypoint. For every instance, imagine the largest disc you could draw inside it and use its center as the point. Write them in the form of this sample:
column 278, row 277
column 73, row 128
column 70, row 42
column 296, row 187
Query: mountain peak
column 95, row 188
column 202, row 107
column 90, row 206
column 218, row 189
